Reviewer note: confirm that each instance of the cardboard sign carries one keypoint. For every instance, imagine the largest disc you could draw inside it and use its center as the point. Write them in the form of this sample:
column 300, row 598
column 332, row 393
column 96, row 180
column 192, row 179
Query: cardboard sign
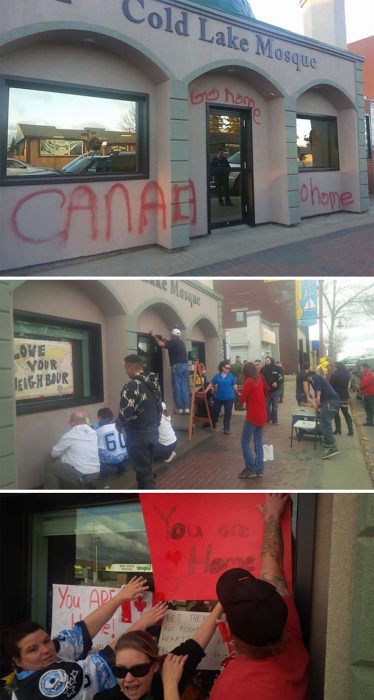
column 195, row 537
column 70, row 604
column 42, row 368
column 178, row 626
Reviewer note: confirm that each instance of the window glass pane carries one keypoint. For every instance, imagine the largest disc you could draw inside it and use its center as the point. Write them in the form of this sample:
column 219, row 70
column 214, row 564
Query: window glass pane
column 55, row 364
column 317, row 142
column 50, row 133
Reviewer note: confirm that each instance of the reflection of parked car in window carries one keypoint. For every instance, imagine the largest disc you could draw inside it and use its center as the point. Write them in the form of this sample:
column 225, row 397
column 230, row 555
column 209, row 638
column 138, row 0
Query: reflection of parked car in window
column 121, row 162
column 18, row 167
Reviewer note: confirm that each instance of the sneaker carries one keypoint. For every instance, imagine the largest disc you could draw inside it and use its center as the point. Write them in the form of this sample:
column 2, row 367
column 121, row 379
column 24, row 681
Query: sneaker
column 170, row 459
column 227, row 432
column 186, row 410
column 247, row 474
column 331, row 452
column 179, row 410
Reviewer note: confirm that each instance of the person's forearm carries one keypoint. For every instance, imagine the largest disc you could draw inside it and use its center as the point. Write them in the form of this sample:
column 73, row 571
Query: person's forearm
column 272, row 554
column 99, row 617
column 171, row 690
column 204, row 634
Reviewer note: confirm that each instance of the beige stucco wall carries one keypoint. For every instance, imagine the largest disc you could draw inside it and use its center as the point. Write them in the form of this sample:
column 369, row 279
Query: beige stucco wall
column 122, row 308
column 333, row 580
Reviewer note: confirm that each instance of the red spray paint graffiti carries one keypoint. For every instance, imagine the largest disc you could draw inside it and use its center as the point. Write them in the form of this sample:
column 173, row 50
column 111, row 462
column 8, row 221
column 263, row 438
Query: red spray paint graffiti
column 331, row 200
column 61, row 210
column 226, row 96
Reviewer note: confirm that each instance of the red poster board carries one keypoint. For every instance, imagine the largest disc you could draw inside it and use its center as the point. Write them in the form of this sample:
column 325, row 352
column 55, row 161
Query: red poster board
column 195, row 537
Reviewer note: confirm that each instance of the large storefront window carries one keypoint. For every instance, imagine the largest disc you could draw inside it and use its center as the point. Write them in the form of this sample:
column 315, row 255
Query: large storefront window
column 60, row 132
column 317, row 142
column 102, row 546
column 57, row 363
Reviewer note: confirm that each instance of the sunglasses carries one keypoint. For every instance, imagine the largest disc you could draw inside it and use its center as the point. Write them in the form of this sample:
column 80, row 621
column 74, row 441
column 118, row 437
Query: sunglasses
column 227, row 367
column 137, row 671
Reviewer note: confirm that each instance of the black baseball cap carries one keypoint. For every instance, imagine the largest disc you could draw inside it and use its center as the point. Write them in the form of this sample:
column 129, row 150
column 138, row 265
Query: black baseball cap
column 255, row 611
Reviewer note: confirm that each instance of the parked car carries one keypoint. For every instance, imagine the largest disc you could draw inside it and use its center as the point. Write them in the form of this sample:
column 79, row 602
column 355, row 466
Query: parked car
column 18, row 167
column 118, row 162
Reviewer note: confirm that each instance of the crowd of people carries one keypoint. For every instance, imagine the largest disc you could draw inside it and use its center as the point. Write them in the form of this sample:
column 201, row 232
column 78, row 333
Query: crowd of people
column 266, row 655
column 143, row 431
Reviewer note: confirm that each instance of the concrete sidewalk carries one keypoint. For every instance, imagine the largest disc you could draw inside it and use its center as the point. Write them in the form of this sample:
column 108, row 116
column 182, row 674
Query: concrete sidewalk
column 222, row 245
column 213, row 461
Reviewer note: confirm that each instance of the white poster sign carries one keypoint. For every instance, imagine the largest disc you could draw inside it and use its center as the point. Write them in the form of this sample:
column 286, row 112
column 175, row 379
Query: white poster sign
column 42, row 368
column 70, row 604
column 178, row 626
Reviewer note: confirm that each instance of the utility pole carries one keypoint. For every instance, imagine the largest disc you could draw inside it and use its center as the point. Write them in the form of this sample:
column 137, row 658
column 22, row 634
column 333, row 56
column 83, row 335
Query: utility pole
column 320, row 319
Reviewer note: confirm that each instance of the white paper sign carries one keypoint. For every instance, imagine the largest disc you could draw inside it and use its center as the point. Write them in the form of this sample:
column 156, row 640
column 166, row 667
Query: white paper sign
column 70, row 604
column 179, row 625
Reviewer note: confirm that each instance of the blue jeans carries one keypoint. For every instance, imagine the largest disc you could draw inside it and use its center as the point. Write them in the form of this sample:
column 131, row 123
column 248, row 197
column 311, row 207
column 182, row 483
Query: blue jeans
column 328, row 411
column 272, row 401
column 255, row 463
column 179, row 381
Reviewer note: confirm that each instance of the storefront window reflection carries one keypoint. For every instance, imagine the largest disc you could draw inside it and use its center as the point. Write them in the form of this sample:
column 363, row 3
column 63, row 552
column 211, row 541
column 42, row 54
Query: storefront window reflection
column 317, row 142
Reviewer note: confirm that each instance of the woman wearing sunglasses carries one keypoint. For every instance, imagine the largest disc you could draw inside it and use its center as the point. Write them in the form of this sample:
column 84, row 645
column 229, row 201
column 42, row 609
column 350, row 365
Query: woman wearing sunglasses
column 226, row 387
column 143, row 675
column 62, row 667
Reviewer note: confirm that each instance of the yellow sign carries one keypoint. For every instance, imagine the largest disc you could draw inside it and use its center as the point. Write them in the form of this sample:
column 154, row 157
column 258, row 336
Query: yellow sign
column 42, row 368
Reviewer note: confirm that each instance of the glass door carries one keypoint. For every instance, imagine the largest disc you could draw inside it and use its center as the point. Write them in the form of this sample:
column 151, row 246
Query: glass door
column 230, row 176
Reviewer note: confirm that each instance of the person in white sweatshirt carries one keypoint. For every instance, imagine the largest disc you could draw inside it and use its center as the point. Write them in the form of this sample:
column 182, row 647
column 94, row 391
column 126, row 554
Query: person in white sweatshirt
column 77, row 462
column 167, row 439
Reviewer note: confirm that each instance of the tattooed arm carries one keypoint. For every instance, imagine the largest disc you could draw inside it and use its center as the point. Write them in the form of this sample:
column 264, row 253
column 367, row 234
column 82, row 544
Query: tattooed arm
column 272, row 546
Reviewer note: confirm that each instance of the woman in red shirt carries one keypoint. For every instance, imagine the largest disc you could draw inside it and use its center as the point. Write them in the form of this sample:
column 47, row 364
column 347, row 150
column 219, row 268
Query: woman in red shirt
column 254, row 397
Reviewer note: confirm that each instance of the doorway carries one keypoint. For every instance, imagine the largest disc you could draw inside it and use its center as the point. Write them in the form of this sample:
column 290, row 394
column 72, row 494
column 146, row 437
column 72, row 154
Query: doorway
column 229, row 167
column 151, row 355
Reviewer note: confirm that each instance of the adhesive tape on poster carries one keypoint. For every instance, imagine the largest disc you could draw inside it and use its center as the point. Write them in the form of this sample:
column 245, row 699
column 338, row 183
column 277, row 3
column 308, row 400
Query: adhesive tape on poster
column 268, row 453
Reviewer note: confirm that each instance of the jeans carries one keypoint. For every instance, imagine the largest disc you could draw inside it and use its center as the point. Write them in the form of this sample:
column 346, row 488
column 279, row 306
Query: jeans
column 272, row 401
column 179, row 380
column 228, row 406
column 255, row 463
column 164, row 451
column 348, row 420
column 328, row 411
column 369, row 408
column 141, row 447
column 61, row 475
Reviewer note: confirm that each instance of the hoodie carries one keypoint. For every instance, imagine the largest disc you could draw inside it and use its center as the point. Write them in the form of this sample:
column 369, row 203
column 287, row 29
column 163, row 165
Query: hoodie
column 140, row 405
column 272, row 374
column 79, row 448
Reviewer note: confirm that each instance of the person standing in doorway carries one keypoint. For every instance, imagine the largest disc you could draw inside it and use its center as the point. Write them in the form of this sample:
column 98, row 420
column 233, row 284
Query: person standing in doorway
column 220, row 169
column 179, row 368
column 280, row 368
column 139, row 417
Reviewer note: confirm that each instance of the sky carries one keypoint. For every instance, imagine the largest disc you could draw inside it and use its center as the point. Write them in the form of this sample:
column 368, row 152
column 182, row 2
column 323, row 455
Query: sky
column 288, row 15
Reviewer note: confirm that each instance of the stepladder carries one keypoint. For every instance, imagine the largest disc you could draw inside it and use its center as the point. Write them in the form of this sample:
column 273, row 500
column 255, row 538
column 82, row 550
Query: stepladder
column 199, row 412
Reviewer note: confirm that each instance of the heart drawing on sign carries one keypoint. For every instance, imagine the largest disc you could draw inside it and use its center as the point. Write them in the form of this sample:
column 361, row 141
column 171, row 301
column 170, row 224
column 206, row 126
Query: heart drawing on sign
column 175, row 557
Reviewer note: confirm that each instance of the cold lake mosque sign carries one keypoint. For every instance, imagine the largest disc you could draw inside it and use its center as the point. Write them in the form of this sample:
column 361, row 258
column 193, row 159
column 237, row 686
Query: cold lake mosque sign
column 178, row 22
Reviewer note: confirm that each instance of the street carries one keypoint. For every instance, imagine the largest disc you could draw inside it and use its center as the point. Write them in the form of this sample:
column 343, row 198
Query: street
column 344, row 252
column 213, row 461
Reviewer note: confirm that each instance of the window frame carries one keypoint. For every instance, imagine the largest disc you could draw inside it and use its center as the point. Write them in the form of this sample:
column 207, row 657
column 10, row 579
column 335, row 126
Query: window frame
column 142, row 137
column 320, row 117
column 92, row 365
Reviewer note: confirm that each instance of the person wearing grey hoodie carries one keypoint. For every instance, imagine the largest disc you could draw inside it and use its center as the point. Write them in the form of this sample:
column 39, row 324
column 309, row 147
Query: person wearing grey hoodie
column 139, row 417
column 77, row 462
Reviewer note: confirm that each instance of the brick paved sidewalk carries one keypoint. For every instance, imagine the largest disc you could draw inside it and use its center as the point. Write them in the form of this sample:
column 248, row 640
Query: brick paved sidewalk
column 213, row 461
